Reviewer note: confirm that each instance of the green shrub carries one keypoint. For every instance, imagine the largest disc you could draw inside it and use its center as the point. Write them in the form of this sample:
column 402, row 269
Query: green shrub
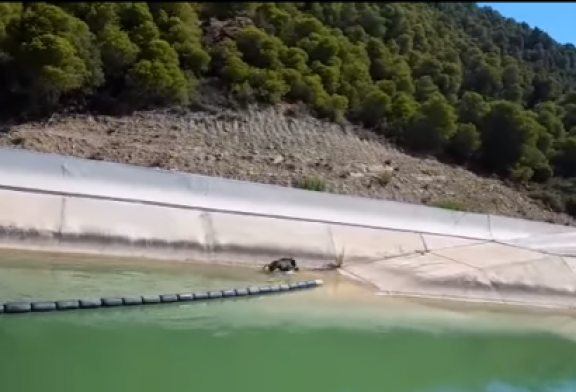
column 549, row 199
column 451, row 204
column 311, row 184
column 570, row 205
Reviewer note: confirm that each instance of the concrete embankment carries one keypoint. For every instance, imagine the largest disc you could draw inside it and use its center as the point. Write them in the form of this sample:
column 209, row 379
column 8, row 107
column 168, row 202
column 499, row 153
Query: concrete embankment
column 57, row 203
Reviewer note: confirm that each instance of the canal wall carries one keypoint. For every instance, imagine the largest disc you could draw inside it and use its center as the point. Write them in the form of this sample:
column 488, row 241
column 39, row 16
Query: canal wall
column 73, row 205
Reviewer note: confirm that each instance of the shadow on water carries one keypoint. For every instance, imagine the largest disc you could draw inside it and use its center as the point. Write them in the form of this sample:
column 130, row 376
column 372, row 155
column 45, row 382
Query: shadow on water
column 312, row 341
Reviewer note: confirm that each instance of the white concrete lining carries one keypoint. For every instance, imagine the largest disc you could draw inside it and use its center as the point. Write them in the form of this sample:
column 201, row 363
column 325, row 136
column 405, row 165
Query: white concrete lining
column 259, row 239
column 29, row 212
column 48, row 173
column 139, row 222
column 401, row 248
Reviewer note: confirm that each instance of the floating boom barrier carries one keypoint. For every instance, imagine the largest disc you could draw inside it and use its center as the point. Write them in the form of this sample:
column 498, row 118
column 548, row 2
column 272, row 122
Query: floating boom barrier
column 108, row 302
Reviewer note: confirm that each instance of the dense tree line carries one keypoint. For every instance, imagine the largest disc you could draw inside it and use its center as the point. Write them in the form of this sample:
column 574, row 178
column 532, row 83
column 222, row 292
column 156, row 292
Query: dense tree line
column 450, row 79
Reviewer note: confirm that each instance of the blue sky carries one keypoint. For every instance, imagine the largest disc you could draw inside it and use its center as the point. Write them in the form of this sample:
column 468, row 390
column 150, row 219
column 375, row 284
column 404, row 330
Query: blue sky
column 557, row 19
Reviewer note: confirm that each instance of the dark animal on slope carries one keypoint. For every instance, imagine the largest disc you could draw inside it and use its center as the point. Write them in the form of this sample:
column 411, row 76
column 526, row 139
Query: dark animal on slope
column 285, row 264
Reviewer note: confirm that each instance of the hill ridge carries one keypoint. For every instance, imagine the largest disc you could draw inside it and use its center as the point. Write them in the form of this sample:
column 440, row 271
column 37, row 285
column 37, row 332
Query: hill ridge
column 450, row 80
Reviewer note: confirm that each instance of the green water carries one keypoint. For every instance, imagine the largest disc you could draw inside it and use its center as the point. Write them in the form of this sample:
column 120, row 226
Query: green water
column 301, row 342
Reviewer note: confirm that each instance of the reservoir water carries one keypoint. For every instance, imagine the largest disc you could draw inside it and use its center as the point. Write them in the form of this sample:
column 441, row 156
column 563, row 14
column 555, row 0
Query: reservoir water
column 339, row 338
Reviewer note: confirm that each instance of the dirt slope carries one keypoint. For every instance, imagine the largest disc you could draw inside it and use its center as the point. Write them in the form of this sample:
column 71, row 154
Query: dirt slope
column 270, row 147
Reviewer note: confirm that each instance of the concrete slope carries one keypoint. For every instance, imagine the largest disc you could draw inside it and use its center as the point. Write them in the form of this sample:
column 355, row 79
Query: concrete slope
column 70, row 205
column 489, row 271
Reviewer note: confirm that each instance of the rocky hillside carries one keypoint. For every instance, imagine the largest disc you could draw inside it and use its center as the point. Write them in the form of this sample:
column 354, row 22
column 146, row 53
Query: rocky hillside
column 454, row 81
column 274, row 147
